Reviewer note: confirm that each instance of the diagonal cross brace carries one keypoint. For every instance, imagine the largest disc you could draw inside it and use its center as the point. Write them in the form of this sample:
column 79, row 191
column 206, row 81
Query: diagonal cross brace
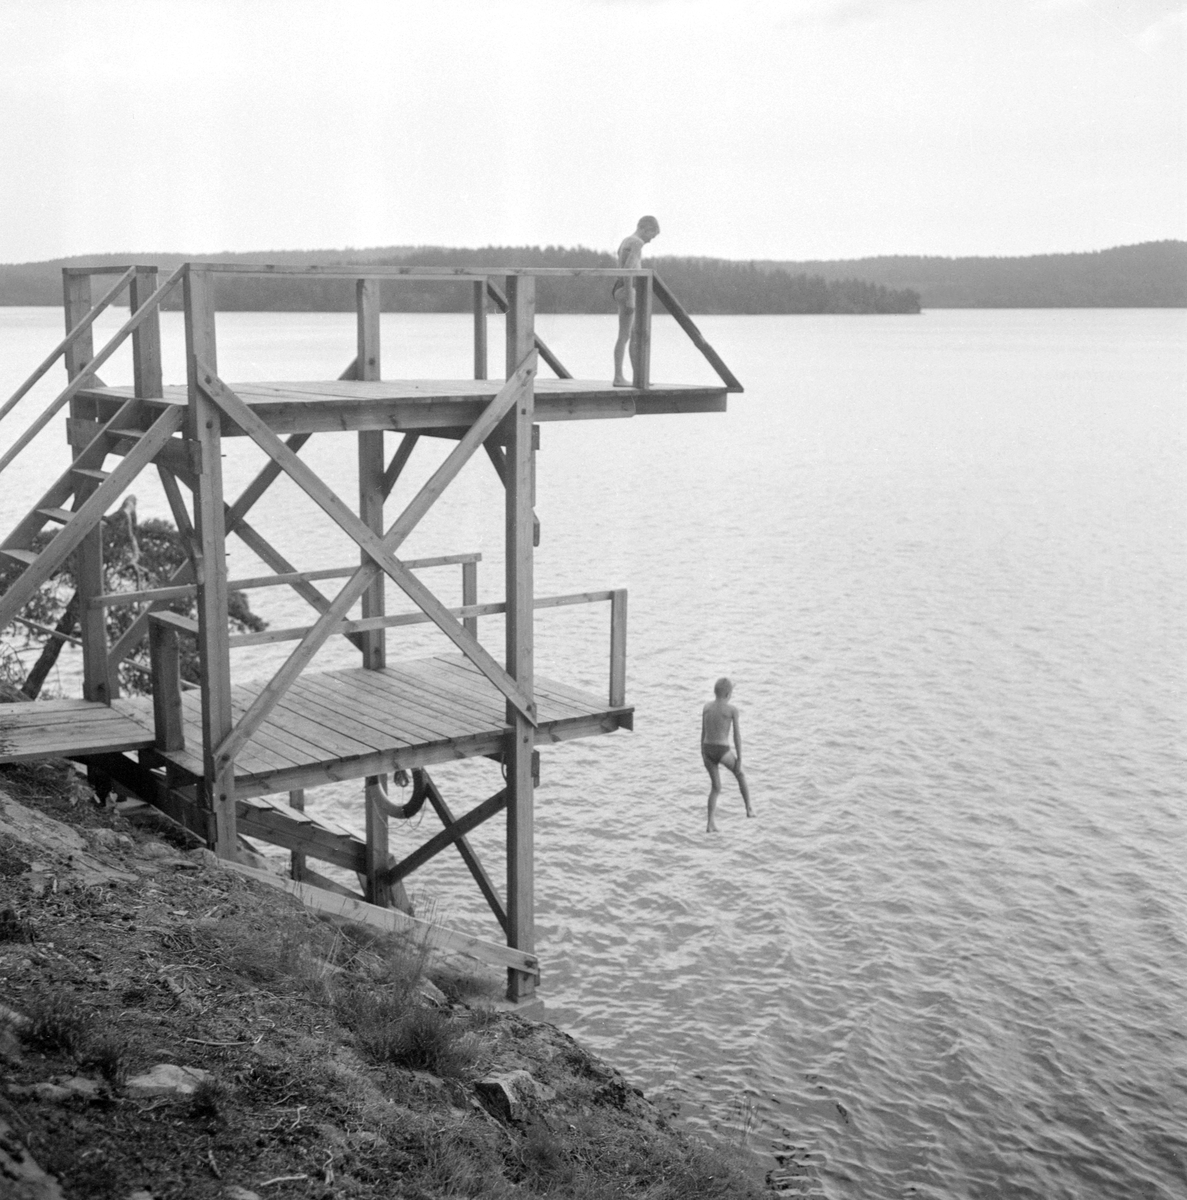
column 468, row 853
column 381, row 550
column 234, row 521
column 455, row 831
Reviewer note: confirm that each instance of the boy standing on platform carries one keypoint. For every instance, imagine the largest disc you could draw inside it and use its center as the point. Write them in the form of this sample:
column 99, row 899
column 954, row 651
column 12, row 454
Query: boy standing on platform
column 630, row 256
column 718, row 720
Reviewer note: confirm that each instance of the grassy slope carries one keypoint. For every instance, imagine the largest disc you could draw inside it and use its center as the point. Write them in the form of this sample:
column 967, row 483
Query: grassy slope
column 332, row 1076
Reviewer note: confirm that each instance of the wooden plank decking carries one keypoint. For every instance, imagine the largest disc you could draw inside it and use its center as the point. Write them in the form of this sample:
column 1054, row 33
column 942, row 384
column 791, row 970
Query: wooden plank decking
column 69, row 728
column 418, row 404
column 330, row 726
column 350, row 723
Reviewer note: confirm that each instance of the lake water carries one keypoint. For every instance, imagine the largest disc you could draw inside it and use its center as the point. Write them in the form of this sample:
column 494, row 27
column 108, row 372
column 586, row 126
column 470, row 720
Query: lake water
column 944, row 560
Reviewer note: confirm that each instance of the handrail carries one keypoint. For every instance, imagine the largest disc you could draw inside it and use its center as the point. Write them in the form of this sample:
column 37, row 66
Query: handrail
column 377, row 271
column 83, row 377
column 166, row 626
column 184, row 590
column 365, row 624
column 68, row 341
column 665, row 297
column 53, row 634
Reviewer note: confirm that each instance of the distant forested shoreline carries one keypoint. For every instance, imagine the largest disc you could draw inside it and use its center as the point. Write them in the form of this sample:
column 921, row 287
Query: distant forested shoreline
column 1146, row 275
column 1152, row 274
column 701, row 285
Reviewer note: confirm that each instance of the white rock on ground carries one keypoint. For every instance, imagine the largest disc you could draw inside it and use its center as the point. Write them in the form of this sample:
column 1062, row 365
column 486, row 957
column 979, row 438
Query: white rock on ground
column 508, row 1095
column 167, row 1079
column 62, row 1088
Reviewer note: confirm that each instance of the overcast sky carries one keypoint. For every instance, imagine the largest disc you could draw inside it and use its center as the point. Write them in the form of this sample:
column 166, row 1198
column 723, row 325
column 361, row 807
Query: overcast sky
column 752, row 128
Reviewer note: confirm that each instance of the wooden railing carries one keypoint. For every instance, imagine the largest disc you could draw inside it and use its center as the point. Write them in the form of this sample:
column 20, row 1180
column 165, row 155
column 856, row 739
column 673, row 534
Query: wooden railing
column 485, row 291
column 165, row 629
column 85, row 375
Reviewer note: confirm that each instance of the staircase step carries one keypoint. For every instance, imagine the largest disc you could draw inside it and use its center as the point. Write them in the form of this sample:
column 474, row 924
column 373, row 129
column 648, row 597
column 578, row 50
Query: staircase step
column 25, row 556
column 91, row 473
column 134, row 434
column 61, row 515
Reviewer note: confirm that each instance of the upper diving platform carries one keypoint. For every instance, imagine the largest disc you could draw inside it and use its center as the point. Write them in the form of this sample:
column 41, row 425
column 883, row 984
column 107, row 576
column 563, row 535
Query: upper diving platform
column 426, row 405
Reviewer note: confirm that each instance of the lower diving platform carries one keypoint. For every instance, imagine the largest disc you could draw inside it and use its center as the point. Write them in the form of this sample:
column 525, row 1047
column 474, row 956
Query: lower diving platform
column 328, row 727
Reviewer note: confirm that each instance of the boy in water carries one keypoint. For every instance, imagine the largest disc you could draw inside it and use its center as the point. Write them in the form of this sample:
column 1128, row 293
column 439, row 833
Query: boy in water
column 718, row 719
column 630, row 256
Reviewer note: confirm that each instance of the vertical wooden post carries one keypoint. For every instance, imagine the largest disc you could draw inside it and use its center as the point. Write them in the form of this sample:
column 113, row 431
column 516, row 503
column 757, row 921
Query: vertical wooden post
column 373, row 642
column 203, row 426
column 517, row 437
column 146, row 338
column 618, row 647
column 470, row 595
column 76, row 295
column 641, row 333
column 297, row 801
column 97, row 683
column 480, row 357
column 371, row 467
column 376, row 857
column 165, row 657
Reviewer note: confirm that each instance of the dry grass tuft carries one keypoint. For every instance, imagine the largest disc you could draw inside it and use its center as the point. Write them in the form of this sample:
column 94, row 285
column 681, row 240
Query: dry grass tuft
column 108, row 1055
column 208, row 1099
column 56, row 1026
column 396, row 1029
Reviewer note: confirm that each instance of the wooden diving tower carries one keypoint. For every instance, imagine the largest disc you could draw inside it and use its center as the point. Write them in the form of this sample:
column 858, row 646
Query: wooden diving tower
column 232, row 758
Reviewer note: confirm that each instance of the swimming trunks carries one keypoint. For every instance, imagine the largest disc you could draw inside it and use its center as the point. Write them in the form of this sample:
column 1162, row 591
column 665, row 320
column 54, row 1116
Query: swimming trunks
column 623, row 293
column 713, row 752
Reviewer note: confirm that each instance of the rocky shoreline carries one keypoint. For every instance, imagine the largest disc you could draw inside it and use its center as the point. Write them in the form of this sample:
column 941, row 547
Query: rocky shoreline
column 170, row 1030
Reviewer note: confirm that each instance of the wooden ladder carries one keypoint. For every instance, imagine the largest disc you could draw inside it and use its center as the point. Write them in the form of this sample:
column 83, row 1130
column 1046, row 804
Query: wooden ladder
column 93, row 491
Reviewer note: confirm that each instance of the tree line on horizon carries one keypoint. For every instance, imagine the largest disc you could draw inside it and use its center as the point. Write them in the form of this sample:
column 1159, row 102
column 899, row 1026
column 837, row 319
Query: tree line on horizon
column 1150, row 274
column 701, row 285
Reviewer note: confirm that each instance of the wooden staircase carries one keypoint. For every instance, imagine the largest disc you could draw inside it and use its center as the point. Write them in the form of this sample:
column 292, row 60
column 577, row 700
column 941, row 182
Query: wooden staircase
column 91, row 490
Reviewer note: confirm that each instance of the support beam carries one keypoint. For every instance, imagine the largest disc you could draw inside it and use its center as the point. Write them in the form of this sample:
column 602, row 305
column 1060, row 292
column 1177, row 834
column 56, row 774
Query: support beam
column 470, row 594
column 204, row 422
column 376, row 890
column 480, row 352
column 146, row 337
column 468, row 853
column 165, row 656
column 297, row 862
column 517, row 438
column 641, row 334
column 371, row 493
column 454, row 831
column 399, row 461
column 498, row 460
column 664, row 295
column 618, row 647
column 426, row 932
column 234, row 521
column 98, row 683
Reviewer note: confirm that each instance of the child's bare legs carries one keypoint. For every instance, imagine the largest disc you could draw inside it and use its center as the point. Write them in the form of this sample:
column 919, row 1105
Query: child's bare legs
column 714, row 792
column 729, row 760
column 740, row 776
column 626, row 319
